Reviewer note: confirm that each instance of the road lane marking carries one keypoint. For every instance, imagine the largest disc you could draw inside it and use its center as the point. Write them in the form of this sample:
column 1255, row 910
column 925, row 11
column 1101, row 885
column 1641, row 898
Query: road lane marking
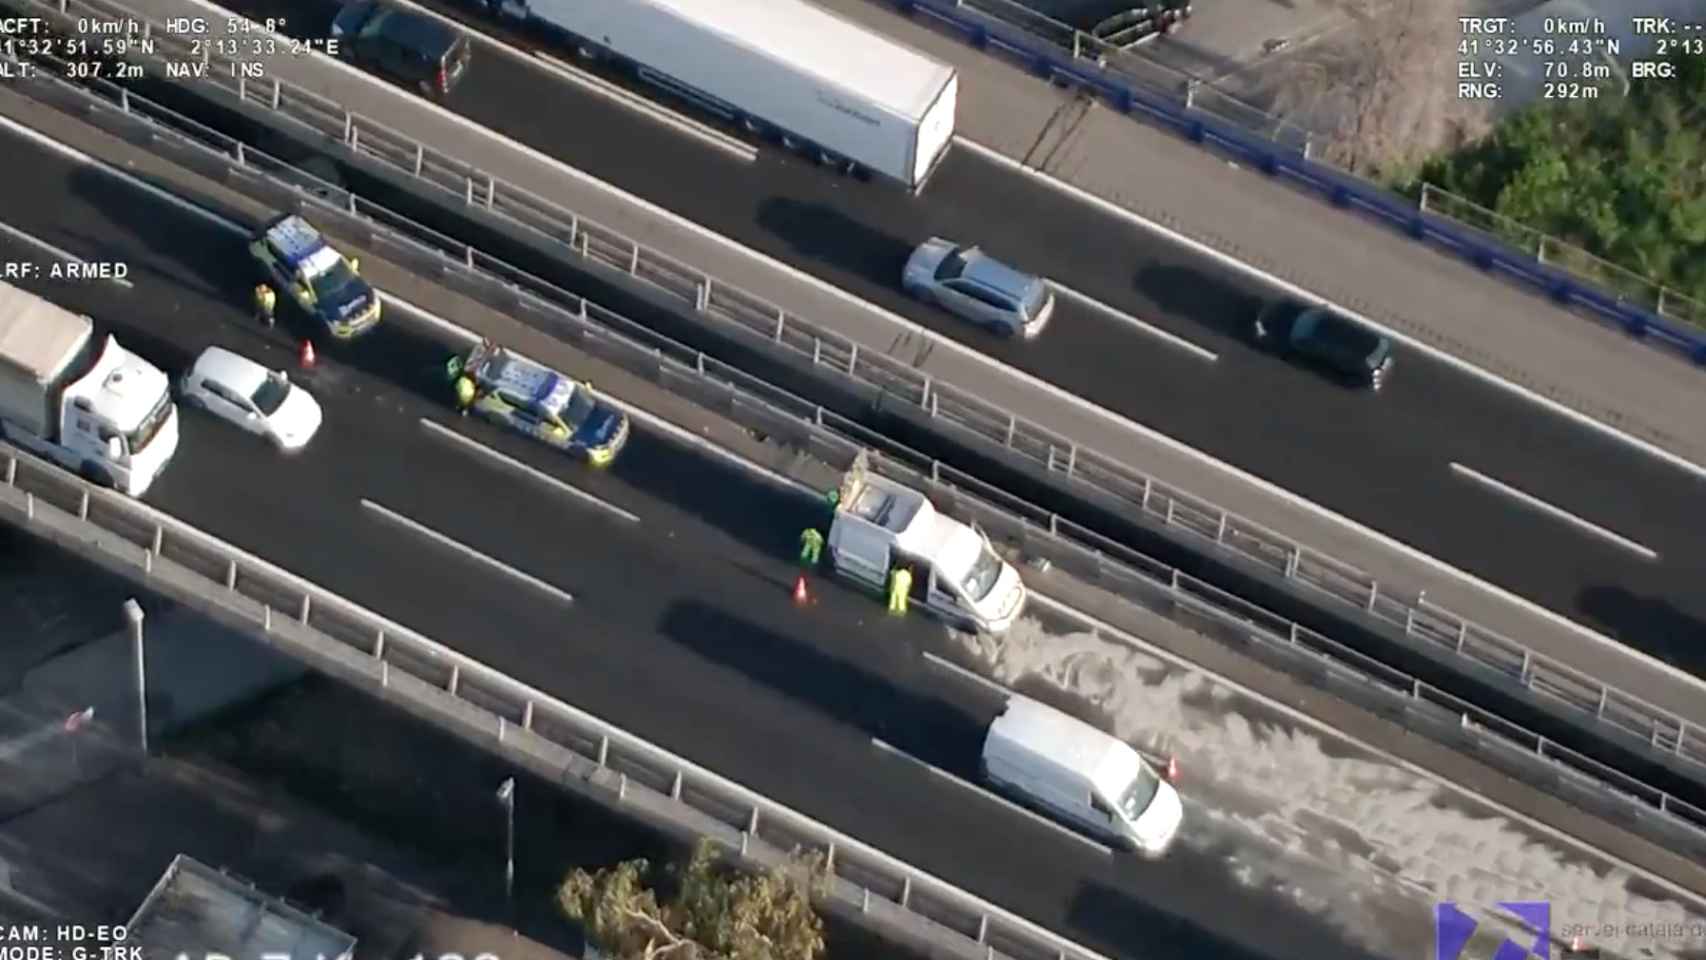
column 1101, row 848
column 598, row 86
column 1559, row 513
column 467, row 551
column 1445, row 356
column 15, row 233
column 1173, row 339
column 968, row 674
column 481, row 450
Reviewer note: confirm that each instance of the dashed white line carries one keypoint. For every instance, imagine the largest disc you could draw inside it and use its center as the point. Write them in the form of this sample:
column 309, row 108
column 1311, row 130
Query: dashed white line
column 454, row 544
column 569, row 489
column 1202, row 353
column 971, row 675
column 1101, row 848
column 1559, row 513
column 65, row 255
column 600, row 87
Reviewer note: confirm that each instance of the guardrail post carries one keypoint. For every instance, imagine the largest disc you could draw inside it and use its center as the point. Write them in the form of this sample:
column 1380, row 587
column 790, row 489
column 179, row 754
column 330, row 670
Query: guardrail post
column 604, row 750
column 355, row 139
column 124, row 99
column 384, row 673
column 379, row 644
column 231, row 574
column 1462, row 634
column 675, row 787
column 349, row 124
column 634, row 262
column 491, row 190
column 1220, row 535
column 1174, row 580
column 1681, row 731
column 242, row 154
column 702, row 295
column 752, row 821
column 83, row 507
column 622, row 786
column 829, row 859
column 924, row 397
column 277, row 92
column 1292, row 561
column 853, row 360
column 420, row 158
column 1012, row 427
column 468, row 255
column 1527, row 664
column 781, row 320
column 906, row 890
column 455, row 679
column 468, row 190
column 817, row 351
column 1291, row 635
column 527, row 715
column 983, row 928
column 266, row 618
column 865, row 902
column 1409, row 620
column 1170, row 504
column 1599, row 712
column 30, row 506
column 243, row 89
column 12, row 472
column 306, row 602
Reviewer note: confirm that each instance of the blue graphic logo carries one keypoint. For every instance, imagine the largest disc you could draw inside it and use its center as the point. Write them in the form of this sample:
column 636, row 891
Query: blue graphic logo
column 1453, row 929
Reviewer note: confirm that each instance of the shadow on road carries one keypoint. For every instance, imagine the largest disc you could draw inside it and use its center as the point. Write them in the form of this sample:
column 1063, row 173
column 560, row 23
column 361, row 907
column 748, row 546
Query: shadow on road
column 829, row 236
column 1198, row 295
column 1649, row 623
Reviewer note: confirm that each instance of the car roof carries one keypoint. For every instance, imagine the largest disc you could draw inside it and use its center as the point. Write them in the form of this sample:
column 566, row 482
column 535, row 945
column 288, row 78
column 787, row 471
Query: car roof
column 503, row 370
column 419, row 31
column 986, row 270
column 230, row 370
column 1341, row 332
column 295, row 238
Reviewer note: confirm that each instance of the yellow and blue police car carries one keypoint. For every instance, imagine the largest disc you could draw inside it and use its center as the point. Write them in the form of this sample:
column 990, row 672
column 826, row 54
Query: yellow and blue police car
column 299, row 262
column 534, row 400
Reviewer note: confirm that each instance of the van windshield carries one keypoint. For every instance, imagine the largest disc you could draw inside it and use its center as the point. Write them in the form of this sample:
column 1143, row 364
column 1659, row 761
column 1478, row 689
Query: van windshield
column 984, row 572
column 1142, row 790
column 139, row 438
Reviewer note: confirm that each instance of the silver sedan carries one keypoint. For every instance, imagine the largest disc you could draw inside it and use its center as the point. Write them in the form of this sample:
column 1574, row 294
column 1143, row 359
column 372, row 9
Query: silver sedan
column 966, row 281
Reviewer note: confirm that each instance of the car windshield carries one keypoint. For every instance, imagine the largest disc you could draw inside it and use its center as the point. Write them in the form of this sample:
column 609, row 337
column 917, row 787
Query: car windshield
column 581, row 404
column 270, row 395
column 1141, row 792
column 332, row 284
column 952, row 265
column 139, row 438
column 984, row 572
column 375, row 24
column 1035, row 297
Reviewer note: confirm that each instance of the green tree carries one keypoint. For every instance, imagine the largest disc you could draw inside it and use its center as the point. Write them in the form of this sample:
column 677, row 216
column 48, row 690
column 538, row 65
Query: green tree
column 712, row 911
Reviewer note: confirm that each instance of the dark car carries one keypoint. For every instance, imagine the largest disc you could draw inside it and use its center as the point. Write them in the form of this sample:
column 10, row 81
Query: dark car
column 408, row 47
column 1326, row 339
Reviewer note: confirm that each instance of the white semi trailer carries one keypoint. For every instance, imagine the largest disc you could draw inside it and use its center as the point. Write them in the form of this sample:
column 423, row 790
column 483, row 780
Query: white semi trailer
column 81, row 400
column 787, row 69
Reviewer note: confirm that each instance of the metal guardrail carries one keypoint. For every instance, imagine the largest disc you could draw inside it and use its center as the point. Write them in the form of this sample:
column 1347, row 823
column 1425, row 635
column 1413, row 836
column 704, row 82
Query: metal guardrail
column 1427, row 623
column 564, row 745
column 827, row 437
column 1184, row 103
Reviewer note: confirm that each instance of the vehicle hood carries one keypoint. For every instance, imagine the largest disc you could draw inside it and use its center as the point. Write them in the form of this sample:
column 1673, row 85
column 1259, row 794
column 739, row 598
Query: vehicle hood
column 1157, row 825
column 352, row 300
column 599, row 427
column 297, row 419
column 924, row 260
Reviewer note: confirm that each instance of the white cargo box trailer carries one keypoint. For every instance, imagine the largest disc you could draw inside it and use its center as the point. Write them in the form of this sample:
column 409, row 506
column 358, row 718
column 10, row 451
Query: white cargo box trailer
column 784, row 67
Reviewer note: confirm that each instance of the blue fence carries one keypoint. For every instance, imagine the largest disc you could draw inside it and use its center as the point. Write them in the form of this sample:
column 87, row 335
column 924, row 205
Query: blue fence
column 1272, row 156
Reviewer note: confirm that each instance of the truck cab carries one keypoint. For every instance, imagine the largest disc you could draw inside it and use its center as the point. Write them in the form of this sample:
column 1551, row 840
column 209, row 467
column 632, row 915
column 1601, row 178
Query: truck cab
column 880, row 525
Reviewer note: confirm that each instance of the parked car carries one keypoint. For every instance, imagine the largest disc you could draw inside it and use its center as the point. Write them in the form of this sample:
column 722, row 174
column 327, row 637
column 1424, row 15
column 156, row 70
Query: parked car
column 261, row 401
column 411, row 48
column 970, row 283
column 296, row 259
column 1326, row 339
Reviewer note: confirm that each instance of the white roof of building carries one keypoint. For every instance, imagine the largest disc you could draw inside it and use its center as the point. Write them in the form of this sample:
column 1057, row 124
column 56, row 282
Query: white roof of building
column 28, row 342
column 1110, row 763
column 197, row 910
column 815, row 41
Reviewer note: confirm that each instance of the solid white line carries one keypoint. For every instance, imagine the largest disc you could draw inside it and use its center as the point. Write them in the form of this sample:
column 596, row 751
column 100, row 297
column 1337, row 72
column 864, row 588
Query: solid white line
column 598, row 86
column 78, row 156
column 968, row 674
column 1154, row 331
column 466, row 550
column 67, row 255
column 1554, row 511
column 1330, row 733
column 1582, row 419
column 1016, row 808
column 480, row 449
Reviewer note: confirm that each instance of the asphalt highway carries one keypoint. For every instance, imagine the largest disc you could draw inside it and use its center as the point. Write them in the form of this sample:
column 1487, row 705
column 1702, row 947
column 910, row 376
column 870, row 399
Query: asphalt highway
column 680, row 628
column 1384, row 460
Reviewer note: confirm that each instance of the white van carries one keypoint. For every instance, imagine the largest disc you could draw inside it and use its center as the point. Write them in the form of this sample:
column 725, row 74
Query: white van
column 956, row 573
column 1082, row 776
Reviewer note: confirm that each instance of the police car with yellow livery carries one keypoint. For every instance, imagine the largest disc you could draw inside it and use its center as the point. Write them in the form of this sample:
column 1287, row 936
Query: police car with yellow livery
column 301, row 264
column 513, row 391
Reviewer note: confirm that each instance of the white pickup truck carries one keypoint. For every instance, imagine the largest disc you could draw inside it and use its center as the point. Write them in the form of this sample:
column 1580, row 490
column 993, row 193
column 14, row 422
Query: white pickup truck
column 81, row 400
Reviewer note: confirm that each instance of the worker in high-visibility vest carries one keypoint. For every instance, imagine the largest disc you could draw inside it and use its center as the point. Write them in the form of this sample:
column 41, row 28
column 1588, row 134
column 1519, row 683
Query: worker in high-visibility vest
column 900, row 584
column 465, row 394
column 811, row 548
column 265, row 301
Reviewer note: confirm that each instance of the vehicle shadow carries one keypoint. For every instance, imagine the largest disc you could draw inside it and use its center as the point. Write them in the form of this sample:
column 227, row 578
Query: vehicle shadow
column 1649, row 623
column 1201, row 297
column 926, row 727
column 829, row 236
column 1109, row 916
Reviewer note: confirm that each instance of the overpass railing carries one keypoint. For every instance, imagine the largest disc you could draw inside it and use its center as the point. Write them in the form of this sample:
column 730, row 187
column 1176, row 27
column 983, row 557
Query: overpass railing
column 1133, row 82
column 1073, row 548
column 1429, row 626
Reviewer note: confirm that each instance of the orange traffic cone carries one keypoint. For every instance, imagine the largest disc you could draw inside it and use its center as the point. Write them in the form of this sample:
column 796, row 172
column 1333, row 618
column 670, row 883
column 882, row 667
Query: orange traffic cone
column 1172, row 769
column 800, row 594
column 307, row 358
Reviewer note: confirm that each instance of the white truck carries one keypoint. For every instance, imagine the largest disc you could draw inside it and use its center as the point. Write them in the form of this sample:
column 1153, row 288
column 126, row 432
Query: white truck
column 1082, row 776
column 956, row 574
column 785, row 69
column 81, row 400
